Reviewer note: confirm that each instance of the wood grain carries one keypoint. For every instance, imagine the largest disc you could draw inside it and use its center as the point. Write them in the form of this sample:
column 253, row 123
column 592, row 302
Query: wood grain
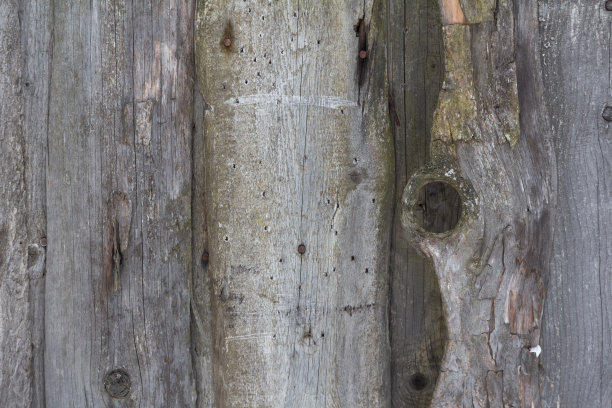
column 493, row 267
column 119, row 196
column 298, row 153
column 577, row 352
column 417, row 327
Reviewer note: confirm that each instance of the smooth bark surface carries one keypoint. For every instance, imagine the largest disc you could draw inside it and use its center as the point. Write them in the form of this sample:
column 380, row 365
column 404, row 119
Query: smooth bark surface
column 298, row 152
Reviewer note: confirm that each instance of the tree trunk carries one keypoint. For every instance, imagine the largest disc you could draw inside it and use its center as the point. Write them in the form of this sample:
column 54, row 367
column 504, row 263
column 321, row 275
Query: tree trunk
column 299, row 175
column 230, row 203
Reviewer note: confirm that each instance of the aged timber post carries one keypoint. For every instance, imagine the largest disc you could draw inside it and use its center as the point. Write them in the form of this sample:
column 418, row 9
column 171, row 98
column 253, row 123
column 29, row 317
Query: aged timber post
column 117, row 306
column 496, row 162
column 299, row 177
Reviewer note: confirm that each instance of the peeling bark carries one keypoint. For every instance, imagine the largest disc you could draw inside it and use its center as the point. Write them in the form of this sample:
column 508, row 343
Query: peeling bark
column 493, row 266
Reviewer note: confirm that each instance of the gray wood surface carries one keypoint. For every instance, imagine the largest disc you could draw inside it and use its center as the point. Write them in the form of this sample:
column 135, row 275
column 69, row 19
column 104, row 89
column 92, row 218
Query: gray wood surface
column 24, row 58
column 417, row 327
column 299, row 151
column 492, row 267
column 119, row 197
column 162, row 162
column 577, row 332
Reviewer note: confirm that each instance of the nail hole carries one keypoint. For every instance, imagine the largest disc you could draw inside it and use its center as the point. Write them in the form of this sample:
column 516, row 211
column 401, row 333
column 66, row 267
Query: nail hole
column 302, row 249
column 607, row 113
column 438, row 207
column 352, row 258
column 366, row 271
column 418, row 381
column 117, row 384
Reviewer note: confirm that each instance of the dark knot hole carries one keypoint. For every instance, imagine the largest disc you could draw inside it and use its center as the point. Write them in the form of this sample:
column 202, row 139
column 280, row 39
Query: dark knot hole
column 438, row 207
column 418, row 382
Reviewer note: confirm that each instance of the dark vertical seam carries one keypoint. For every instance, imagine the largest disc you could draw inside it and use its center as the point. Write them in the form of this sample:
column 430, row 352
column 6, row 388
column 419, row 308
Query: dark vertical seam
column 136, row 204
column 43, row 397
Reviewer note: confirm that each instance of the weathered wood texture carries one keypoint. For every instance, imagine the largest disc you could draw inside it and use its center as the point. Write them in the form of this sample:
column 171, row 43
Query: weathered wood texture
column 299, row 151
column 119, row 196
column 577, row 332
column 24, row 57
column 417, row 328
column 201, row 317
column 493, row 265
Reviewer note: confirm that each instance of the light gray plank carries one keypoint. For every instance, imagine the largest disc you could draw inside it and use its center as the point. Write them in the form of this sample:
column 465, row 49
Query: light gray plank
column 119, row 195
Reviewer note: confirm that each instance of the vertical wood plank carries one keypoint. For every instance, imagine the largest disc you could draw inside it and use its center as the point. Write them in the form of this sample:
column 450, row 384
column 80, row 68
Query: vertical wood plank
column 299, row 152
column 119, row 193
column 577, row 356
column 21, row 214
column 36, row 20
column 417, row 329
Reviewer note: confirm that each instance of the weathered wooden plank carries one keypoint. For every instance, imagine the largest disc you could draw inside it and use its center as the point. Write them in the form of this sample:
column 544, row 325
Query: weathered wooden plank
column 201, row 318
column 493, row 265
column 577, row 352
column 24, row 58
column 36, row 19
column 417, row 329
column 119, row 193
column 299, row 152
column 17, row 251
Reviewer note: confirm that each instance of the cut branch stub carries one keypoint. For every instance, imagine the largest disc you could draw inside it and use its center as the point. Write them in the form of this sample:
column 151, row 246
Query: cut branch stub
column 437, row 203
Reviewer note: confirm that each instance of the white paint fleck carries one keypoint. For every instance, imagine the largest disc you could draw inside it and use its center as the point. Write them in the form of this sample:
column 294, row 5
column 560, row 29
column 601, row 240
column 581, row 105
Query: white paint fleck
column 536, row 350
